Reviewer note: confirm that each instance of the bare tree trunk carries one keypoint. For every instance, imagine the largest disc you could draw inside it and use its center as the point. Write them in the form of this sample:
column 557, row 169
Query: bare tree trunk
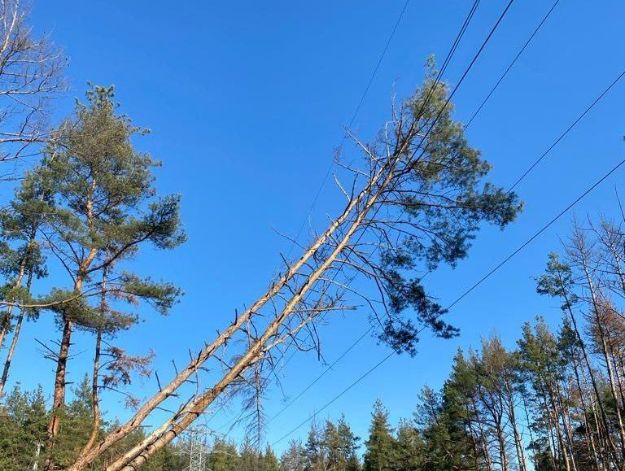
column 209, row 350
column 58, row 402
column 590, row 441
column 566, row 424
column 550, row 428
column 518, row 442
column 596, row 307
column 95, row 378
column 16, row 335
column 37, row 454
column 529, row 428
column 501, row 441
column 156, row 441
column 6, row 322
column 483, row 444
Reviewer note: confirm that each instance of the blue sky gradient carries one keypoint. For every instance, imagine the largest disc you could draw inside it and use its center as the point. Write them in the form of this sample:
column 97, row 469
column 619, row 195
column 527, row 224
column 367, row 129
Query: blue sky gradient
column 248, row 101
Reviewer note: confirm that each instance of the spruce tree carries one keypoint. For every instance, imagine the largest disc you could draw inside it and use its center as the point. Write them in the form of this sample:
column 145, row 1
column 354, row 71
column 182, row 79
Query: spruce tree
column 294, row 458
column 409, row 448
column 380, row 446
column 223, row 456
column 269, row 461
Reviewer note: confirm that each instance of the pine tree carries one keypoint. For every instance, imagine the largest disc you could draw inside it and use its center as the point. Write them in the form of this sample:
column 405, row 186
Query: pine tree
column 102, row 210
column 23, row 421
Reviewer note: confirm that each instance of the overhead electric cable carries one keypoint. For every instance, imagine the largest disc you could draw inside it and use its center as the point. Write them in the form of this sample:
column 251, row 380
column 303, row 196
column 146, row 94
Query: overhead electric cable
column 490, row 273
column 516, row 58
column 363, row 96
column 439, row 75
column 567, row 130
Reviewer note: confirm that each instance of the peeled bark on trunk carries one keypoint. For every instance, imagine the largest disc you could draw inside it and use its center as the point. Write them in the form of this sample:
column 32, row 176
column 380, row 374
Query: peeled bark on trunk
column 518, row 442
column 16, row 335
column 6, row 323
column 157, row 440
column 209, row 350
column 593, row 380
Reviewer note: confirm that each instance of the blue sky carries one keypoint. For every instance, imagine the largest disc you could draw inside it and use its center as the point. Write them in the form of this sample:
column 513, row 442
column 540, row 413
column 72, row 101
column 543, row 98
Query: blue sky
column 247, row 102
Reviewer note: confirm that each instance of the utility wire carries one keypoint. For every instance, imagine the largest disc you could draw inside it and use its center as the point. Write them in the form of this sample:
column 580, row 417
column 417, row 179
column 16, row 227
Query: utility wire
column 335, row 398
column 323, row 373
column 536, row 234
column 439, row 75
column 365, row 92
column 567, row 130
column 473, row 61
column 516, row 58
column 463, row 295
column 450, row 54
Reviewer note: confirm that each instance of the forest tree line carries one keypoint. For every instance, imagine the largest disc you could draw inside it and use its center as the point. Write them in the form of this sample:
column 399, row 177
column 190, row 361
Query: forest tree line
column 552, row 401
column 82, row 206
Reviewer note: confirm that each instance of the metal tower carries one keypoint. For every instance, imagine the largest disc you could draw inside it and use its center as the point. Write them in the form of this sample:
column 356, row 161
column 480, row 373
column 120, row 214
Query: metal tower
column 195, row 447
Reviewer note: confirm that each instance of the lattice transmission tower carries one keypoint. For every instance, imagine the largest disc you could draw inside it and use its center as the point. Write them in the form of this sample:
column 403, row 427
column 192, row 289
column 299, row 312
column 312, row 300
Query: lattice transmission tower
column 195, row 447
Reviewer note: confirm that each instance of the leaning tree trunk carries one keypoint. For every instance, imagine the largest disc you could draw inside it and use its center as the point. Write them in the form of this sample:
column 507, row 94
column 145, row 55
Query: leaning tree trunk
column 158, row 439
column 401, row 177
column 16, row 335
column 169, row 390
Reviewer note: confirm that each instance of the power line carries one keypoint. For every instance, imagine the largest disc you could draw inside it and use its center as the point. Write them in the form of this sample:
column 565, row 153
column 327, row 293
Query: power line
column 505, row 73
column 378, row 64
column 567, row 130
column 450, row 54
column 463, row 295
column 335, row 398
column 439, row 75
column 354, row 116
column 536, row 234
column 462, row 78
column 464, row 75
column 323, row 373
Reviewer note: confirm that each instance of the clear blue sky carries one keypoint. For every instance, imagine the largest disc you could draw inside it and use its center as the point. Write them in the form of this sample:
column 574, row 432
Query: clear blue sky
column 247, row 101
